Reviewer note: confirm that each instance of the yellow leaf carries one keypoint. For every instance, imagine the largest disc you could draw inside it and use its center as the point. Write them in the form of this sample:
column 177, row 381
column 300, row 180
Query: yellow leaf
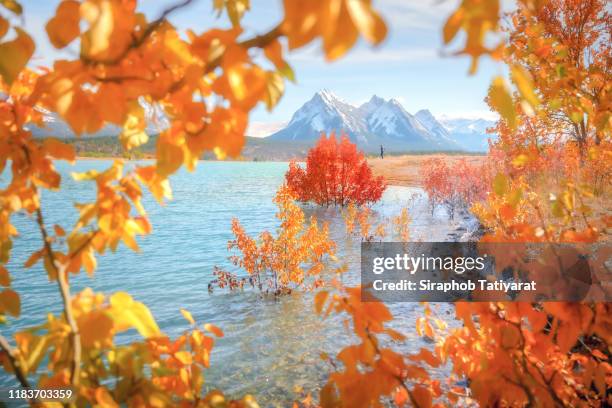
column 187, row 316
column 274, row 89
column 129, row 313
column 183, row 356
column 88, row 175
column 63, row 28
column 13, row 6
column 367, row 21
column 14, row 55
column 10, row 303
column 500, row 184
column 340, row 34
column 133, row 134
column 502, row 102
column 96, row 41
column 524, row 83
column 89, row 261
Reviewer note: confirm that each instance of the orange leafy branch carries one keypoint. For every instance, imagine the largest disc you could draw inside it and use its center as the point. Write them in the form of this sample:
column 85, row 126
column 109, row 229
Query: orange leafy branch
column 281, row 263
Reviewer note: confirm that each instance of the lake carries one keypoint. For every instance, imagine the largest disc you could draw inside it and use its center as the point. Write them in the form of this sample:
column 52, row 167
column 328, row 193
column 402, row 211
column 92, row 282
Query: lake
column 270, row 346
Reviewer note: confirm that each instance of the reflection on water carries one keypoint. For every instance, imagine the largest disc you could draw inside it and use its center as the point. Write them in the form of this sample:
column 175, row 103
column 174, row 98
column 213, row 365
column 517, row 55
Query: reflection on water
column 270, row 346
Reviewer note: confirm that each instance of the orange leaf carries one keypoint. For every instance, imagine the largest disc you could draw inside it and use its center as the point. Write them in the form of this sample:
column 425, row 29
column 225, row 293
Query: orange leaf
column 59, row 150
column 213, row 329
column 63, row 28
column 10, row 302
column 319, row 300
column 5, row 278
column 14, row 55
column 422, row 397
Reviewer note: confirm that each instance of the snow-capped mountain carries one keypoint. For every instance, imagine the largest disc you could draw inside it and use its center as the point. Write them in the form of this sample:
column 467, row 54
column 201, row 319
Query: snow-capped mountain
column 323, row 113
column 470, row 132
column 374, row 123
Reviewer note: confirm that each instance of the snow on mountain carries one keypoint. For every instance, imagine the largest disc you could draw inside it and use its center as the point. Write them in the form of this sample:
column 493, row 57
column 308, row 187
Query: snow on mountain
column 323, row 113
column 431, row 124
column 471, row 133
column 374, row 123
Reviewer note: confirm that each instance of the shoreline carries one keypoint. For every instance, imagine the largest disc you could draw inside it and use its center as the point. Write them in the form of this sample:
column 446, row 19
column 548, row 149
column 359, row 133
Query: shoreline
column 402, row 170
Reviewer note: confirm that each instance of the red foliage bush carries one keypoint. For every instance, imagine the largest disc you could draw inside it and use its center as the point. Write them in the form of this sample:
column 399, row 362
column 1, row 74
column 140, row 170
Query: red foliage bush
column 336, row 173
column 457, row 185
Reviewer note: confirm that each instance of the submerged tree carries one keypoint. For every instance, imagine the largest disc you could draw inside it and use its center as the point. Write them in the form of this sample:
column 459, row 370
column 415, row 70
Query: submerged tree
column 294, row 258
column 336, row 173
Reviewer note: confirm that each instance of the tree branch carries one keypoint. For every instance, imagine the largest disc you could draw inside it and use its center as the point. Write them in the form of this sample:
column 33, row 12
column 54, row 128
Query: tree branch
column 21, row 377
column 137, row 42
column 62, row 279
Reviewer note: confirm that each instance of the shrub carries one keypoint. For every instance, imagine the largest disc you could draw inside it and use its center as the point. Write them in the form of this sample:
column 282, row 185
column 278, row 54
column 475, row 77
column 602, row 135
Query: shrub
column 457, row 185
column 336, row 173
column 293, row 258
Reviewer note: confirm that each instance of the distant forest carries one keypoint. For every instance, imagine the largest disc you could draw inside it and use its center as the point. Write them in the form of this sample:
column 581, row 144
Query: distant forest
column 256, row 149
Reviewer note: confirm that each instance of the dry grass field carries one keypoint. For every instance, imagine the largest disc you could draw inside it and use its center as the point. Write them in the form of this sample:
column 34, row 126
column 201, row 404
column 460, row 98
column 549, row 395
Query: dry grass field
column 404, row 170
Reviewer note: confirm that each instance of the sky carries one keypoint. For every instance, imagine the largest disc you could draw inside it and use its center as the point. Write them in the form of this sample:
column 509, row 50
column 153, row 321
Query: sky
column 411, row 65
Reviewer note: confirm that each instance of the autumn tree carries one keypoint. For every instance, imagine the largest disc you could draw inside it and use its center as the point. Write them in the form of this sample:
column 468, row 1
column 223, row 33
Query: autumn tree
column 336, row 173
column 205, row 82
column 293, row 258
column 454, row 185
column 554, row 139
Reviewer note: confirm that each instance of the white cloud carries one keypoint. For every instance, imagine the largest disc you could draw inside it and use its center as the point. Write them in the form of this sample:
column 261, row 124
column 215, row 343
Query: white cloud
column 263, row 129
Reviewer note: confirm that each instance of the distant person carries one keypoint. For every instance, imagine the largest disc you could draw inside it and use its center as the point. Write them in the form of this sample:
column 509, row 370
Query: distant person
column 382, row 152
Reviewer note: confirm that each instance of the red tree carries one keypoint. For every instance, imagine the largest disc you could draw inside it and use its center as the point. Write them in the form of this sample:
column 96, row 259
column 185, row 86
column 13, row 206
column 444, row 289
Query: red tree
column 455, row 185
column 335, row 173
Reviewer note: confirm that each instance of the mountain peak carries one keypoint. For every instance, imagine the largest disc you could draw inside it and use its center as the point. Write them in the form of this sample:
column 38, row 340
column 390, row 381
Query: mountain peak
column 424, row 113
column 327, row 96
column 376, row 100
column 375, row 122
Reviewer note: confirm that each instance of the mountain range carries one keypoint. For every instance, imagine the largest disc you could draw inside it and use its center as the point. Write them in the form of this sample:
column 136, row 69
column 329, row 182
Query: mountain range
column 370, row 125
column 383, row 122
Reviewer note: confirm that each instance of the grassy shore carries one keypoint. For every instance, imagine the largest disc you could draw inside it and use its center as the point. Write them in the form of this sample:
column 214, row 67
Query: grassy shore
column 404, row 170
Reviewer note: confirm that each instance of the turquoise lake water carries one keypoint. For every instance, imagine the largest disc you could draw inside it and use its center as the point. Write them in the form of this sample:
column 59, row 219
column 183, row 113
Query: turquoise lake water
column 270, row 345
